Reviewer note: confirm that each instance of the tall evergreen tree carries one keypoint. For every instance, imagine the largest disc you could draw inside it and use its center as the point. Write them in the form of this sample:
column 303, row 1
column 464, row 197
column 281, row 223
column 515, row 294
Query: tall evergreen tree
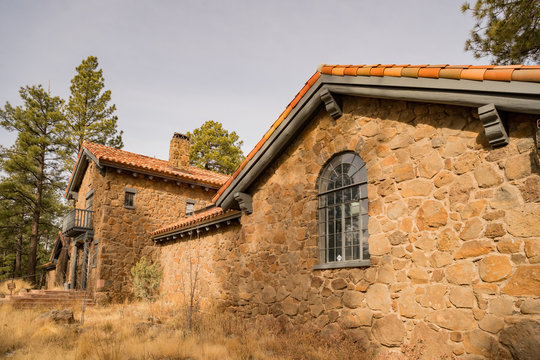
column 32, row 164
column 214, row 148
column 88, row 113
column 14, row 224
column 506, row 30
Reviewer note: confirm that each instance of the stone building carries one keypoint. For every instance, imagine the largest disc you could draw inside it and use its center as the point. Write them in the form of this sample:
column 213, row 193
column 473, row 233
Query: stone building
column 394, row 203
column 56, row 267
column 118, row 198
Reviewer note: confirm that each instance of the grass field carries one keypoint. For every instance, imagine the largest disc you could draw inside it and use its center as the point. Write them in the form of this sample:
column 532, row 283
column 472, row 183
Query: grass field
column 158, row 331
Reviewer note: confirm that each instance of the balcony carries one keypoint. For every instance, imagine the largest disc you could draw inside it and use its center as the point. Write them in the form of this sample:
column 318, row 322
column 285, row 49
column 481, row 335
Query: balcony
column 77, row 221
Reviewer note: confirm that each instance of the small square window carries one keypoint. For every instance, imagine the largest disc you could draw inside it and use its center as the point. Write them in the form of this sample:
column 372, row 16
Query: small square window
column 129, row 200
column 190, row 208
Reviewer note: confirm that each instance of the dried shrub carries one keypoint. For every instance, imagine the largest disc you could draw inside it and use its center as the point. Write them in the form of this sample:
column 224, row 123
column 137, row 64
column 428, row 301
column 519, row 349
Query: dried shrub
column 146, row 280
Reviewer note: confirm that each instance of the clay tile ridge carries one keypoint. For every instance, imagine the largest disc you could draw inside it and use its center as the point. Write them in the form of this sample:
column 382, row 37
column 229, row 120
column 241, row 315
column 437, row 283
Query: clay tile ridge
column 458, row 72
column 197, row 219
column 106, row 154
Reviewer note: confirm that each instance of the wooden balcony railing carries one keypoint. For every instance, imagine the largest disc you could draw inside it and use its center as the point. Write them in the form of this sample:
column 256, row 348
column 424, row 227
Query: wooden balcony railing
column 77, row 221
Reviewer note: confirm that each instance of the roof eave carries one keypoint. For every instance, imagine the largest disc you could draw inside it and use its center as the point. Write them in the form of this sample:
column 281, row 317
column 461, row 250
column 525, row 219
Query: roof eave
column 143, row 171
column 80, row 168
column 205, row 223
column 514, row 96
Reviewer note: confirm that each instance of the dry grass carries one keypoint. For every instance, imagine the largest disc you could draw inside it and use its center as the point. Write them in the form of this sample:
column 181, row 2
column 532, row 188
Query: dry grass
column 19, row 284
column 157, row 331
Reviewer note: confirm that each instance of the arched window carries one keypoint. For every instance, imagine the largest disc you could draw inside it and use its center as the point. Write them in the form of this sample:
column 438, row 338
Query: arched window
column 343, row 212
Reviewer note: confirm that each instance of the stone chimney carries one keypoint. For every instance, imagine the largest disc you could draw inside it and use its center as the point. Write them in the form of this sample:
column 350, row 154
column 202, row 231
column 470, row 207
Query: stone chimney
column 179, row 151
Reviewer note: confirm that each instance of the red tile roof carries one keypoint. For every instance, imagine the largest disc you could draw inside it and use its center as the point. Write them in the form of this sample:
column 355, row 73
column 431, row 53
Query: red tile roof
column 108, row 155
column 199, row 218
column 465, row 72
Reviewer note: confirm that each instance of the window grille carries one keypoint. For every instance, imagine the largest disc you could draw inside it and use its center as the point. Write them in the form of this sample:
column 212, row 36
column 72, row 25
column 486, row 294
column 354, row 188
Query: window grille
column 343, row 212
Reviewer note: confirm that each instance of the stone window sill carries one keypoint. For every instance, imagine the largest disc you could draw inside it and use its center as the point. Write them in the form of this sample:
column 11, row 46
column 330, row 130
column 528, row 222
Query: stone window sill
column 342, row 264
column 129, row 207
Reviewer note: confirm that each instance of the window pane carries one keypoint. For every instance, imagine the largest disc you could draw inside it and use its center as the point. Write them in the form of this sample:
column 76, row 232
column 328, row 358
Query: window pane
column 348, row 253
column 338, row 212
column 355, row 208
column 331, row 229
column 356, row 223
column 330, row 199
column 347, row 195
column 330, row 185
column 331, row 255
column 356, row 239
column 348, row 224
column 365, row 203
column 339, row 254
column 338, row 197
column 356, row 252
column 338, row 226
column 339, row 240
column 355, row 193
column 348, row 239
column 331, row 215
column 365, row 250
column 365, row 219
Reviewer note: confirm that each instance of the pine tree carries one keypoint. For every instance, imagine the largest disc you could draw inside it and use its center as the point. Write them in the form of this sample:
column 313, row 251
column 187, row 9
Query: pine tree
column 32, row 163
column 508, row 31
column 88, row 113
column 14, row 224
column 214, row 148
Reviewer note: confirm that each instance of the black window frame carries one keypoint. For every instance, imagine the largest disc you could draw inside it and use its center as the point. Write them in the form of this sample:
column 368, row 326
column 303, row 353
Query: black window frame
column 342, row 213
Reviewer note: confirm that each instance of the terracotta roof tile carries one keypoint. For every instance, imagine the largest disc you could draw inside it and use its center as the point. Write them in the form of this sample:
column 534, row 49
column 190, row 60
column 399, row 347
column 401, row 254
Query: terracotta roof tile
column 364, row 71
column 429, row 72
column 473, row 74
column 393, row 71
column 458, row 72
column 198, row 218
column 379, row 70
column 410, row 71
column 454, row 73
column 339, row 70
column 108, row 155
column 498, row 74
column 530, row 74
column 351, row 70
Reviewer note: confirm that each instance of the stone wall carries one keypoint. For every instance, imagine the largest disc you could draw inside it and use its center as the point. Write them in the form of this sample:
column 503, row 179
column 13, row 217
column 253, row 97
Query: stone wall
column 213, row 256
column 123, row 233
column 454, row 233
column 50, row 279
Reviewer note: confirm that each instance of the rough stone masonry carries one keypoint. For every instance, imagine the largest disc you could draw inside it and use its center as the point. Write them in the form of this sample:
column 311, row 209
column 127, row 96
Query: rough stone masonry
column 454, row 236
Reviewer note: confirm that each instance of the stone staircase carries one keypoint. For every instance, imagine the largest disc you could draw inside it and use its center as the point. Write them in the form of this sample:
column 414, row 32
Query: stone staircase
column 48, row 298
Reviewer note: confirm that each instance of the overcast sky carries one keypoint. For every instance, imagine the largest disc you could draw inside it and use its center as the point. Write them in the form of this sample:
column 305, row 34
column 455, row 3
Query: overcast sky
column 171, row 65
